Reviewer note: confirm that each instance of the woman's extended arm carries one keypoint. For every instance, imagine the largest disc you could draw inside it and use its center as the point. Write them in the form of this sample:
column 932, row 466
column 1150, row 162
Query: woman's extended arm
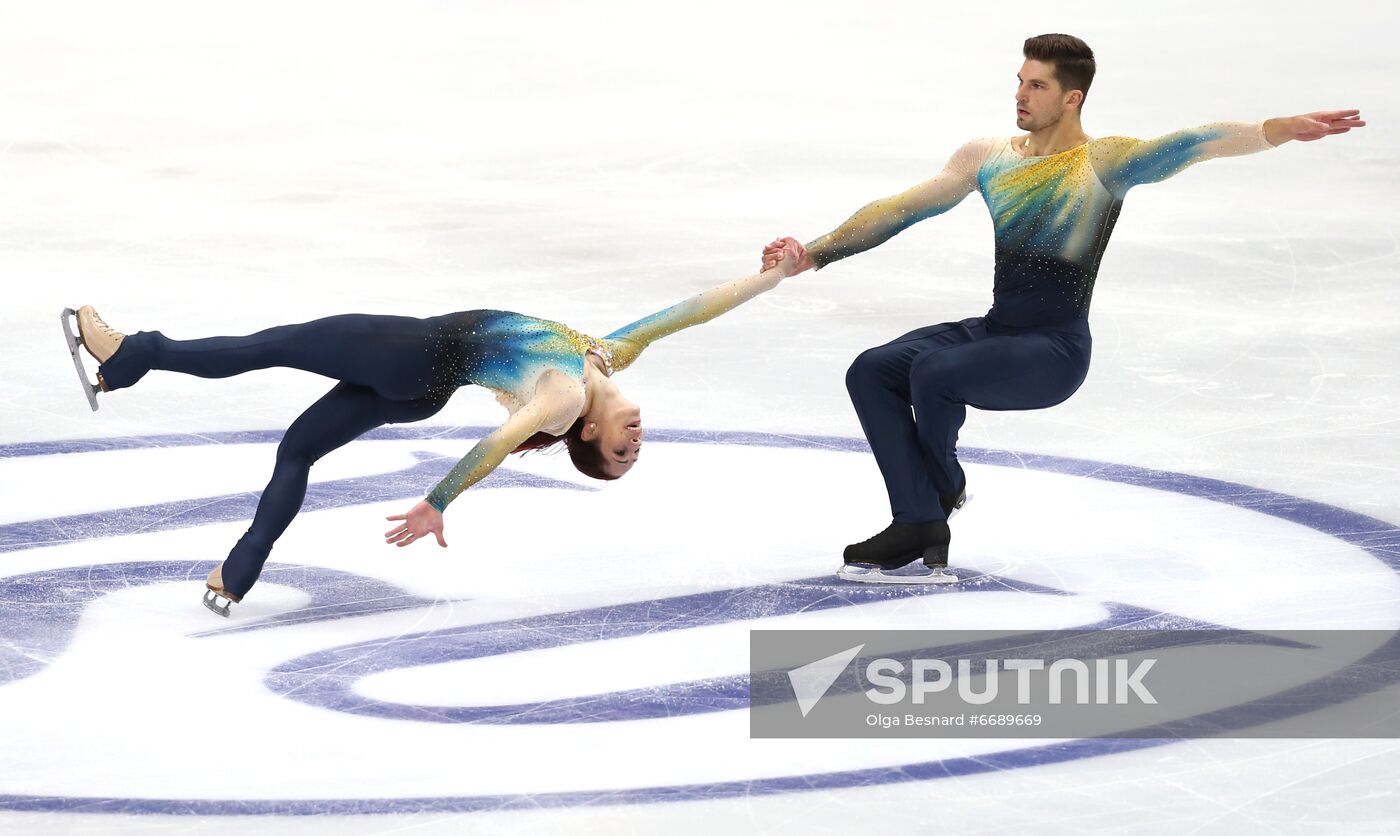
column 555, row 394
column 627, row 342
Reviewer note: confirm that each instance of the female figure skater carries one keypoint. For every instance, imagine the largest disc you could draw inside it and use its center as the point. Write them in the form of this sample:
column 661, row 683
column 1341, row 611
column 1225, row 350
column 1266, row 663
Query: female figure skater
column 556, row 383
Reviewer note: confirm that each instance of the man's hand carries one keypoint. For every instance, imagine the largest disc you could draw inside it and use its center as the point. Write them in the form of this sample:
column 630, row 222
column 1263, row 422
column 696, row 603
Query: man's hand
column 1311, row 126
column 774, row 253
column 418, row 522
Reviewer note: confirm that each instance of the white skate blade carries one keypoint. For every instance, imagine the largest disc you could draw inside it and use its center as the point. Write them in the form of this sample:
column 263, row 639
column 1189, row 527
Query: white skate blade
column 914, row 573
column 212, row 599
column 89, row 388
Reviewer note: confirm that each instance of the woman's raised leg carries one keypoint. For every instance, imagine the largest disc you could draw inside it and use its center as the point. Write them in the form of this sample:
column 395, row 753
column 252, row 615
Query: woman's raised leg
column 394, row 355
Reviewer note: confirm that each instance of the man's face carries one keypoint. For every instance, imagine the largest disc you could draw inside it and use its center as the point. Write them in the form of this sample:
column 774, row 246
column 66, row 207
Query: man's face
column 1040, row 101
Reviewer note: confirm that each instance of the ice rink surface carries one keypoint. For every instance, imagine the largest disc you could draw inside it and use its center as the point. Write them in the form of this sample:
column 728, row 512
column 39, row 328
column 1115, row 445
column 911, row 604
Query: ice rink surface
column 217, row 168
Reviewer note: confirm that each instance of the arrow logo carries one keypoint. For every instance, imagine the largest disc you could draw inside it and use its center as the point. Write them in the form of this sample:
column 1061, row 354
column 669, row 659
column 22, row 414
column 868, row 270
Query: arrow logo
column 811, row 682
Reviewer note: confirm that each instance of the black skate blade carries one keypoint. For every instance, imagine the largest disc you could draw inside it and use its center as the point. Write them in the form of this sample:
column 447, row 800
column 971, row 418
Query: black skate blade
column 90, row 389
column 211, row 601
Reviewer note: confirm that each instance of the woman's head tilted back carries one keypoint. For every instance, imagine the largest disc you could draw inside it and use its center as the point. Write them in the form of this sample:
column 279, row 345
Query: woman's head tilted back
column 606, row 439
column 600, row 446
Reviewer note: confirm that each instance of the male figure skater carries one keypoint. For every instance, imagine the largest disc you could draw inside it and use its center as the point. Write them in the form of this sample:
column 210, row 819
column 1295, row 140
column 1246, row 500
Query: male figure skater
column 1054, row 194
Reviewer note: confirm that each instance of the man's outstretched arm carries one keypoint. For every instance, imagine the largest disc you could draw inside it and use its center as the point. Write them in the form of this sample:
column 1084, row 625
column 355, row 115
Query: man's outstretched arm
column 881, row 220
column 1122, row 162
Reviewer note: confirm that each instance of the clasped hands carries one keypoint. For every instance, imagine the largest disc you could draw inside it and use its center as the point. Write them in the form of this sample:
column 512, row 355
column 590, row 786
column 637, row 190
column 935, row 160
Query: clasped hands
column 789, row 255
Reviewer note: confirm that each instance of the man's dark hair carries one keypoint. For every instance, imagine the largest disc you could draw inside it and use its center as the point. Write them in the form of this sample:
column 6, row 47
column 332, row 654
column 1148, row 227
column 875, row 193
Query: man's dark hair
column 1073, row 59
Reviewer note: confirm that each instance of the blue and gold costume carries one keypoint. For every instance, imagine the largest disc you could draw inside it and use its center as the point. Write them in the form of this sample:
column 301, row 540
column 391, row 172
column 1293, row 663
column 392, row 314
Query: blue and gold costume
column 511, row 353
column 1052, row 217
column 395, row 369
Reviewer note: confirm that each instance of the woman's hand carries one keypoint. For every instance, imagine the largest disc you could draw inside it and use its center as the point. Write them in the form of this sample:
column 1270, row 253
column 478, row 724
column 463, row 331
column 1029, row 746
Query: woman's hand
column 418, row 522
column 788, row 254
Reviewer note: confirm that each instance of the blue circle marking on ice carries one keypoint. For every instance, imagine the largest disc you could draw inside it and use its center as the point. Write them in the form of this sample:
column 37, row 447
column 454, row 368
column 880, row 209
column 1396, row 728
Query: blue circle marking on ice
column 1379, row 539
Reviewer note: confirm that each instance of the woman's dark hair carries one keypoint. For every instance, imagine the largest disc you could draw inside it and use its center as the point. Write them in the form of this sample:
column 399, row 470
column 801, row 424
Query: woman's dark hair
column 1073, row 59
column 587, row 456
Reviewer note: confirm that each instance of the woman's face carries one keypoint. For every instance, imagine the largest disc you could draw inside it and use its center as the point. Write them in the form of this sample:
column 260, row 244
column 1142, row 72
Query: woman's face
column 618, row 436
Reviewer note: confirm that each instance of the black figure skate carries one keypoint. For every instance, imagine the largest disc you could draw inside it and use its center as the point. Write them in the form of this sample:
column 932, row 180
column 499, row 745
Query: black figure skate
column 904, row 553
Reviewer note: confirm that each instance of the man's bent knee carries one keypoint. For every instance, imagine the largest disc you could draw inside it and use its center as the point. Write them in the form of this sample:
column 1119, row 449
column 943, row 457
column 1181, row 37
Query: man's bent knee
column 865, row 369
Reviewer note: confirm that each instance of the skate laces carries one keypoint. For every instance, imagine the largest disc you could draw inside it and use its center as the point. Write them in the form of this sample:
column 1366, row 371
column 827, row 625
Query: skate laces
column 106, row 329
column 874, row 537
